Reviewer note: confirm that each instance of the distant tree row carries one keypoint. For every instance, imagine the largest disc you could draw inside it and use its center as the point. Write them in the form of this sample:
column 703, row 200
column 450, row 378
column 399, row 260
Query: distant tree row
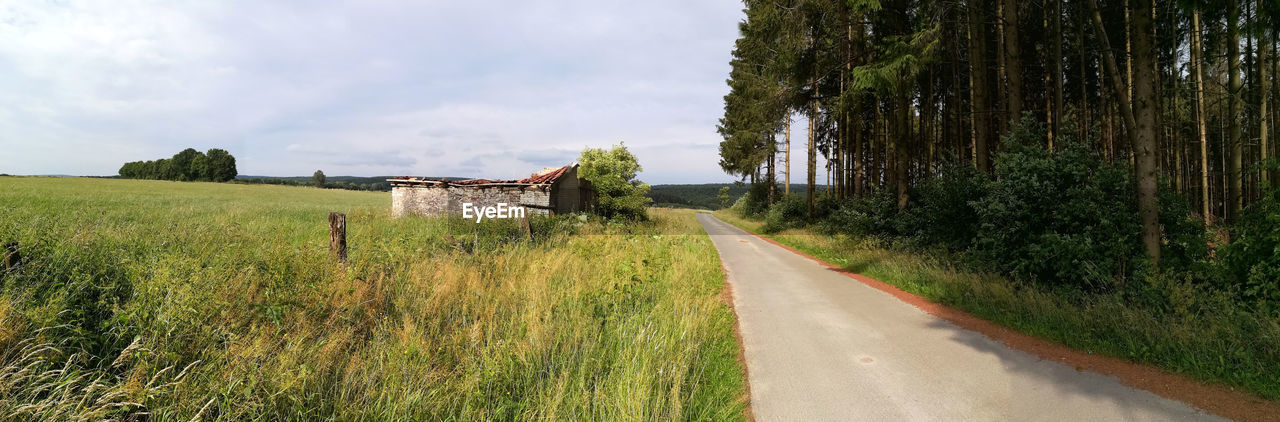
column 349, row 183
column 216, row 165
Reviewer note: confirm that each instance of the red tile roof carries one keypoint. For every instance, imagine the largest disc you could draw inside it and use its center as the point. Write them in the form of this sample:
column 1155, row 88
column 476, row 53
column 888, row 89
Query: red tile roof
column 534, row 179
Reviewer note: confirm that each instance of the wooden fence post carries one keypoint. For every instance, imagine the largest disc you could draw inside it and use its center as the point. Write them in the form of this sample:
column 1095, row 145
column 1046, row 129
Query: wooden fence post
column 527, row 229
column 12, row 259
column 338, row 236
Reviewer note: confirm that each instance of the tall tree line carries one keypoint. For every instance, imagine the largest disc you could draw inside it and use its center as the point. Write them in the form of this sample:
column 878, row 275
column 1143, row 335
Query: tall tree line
column 216, row 165
column 896, row 90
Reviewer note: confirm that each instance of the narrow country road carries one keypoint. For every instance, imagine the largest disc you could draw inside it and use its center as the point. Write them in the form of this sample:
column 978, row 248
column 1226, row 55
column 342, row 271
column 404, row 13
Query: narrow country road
column 822, row 346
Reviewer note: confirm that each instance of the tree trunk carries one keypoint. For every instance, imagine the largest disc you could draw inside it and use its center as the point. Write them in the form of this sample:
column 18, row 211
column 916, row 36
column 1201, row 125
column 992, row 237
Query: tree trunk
column 1013, row 60
column 1275, row 96
column 773, row 153
column 1119, row 88
column 786, row 189
column 1146, row 115
column 813, row 150
column 980, row 106
column 1056, row 115
column 1263, row 46
column 859, row 166
column 1128, row 49
column 1234, row 143
column 1197, row 58
column 899, row 151
column 846, row 48
column 1085, row 122
column 1001, row 88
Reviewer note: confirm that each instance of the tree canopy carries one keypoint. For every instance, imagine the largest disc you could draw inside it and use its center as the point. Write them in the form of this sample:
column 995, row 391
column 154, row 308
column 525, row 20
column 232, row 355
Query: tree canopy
column 612, row 173
column 896, row 91
column 215, row 165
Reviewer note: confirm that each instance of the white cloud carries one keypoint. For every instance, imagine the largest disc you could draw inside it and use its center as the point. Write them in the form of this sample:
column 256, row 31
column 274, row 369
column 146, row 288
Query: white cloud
column 481, row 89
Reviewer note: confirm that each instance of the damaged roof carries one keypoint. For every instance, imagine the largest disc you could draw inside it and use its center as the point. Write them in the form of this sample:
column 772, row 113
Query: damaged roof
column 545, row 177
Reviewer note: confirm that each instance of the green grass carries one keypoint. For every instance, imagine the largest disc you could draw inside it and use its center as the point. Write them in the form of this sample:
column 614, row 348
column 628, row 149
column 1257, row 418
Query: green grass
column 220, row 301
column 1200, row 334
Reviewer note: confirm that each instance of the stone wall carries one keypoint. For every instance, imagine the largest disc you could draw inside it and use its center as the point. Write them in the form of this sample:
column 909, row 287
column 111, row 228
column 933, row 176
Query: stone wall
column 490, row 195
column 415, row 200
column 434, row 201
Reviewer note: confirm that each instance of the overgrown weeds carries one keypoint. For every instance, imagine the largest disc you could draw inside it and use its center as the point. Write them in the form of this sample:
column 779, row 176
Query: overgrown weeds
column 220, row 302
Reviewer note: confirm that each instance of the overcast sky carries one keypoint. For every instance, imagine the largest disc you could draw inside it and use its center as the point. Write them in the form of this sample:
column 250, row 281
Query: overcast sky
column 429, row 88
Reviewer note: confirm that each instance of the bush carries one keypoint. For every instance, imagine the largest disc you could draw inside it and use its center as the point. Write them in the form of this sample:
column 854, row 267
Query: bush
column 1066, row 217
column 755, row 202
column 874, row 215
column 1251, row 262
column 1185, row 242
column 613, row 175
column 942, row 210
column 789, row 212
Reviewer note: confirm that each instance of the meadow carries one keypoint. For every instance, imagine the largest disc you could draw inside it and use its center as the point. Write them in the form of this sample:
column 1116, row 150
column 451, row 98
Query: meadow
column 220, row 302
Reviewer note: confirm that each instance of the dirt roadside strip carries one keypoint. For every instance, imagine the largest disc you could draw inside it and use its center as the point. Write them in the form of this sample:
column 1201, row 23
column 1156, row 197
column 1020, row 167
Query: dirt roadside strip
column 871, row 360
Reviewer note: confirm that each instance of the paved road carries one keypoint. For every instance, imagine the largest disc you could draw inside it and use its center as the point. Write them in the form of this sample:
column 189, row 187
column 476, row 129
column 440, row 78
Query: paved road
column 822, row 346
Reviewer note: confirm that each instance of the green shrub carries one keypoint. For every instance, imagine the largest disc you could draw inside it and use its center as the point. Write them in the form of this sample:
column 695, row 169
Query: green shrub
column 874, row 215
column 612, row 174
column 755, row 202
column 1065, row 217
column 1251, row 262
column 942, row 210
column 1185, row 242
column 789, row 212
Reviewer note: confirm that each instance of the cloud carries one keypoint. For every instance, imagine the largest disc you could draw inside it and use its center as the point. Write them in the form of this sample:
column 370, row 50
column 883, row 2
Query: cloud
column 490, row 89
column 548, row 157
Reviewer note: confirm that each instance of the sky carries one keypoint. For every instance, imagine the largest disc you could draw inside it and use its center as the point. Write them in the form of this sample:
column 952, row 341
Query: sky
column 366, row 88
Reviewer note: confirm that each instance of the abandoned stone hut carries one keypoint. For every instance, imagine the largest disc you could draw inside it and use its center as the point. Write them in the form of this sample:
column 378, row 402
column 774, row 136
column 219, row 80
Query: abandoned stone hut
column 550, row 191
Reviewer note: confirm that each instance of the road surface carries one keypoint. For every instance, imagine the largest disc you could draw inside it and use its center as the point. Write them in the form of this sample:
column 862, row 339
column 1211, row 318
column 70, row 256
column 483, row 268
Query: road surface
column 822, row 346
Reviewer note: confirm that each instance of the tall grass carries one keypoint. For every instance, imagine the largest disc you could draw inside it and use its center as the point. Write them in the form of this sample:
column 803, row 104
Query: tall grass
column 1187, row 330
column 219, row 302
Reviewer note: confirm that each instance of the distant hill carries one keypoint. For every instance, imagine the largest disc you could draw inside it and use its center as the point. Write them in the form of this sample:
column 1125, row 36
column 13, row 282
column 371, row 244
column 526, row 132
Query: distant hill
column 371, row 183
column 693, row 196
column 704, row 196
column 698, row 196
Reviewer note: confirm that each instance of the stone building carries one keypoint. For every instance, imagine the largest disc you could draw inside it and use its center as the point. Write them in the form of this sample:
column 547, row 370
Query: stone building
column 550, row 191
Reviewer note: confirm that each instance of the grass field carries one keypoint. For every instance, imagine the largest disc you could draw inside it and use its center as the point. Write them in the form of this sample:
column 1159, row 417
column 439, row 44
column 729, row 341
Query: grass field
column 1201, row 335
column 219, row 302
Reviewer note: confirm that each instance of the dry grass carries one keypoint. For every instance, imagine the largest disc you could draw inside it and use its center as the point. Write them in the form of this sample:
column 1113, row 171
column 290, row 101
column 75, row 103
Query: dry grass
column 233, row 283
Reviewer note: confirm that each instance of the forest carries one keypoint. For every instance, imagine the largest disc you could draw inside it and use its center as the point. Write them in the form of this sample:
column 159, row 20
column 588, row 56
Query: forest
column 1139, row 115
column 216, row 165
column 1112, row 157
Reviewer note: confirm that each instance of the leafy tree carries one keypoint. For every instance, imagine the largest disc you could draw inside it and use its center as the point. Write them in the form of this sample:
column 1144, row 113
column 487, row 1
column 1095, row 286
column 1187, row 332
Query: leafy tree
column 317, row 178
column 613, row 175
column 200, row 168
column 724, row 197
column 189, row 165
column 222, row 165
column 181, row 163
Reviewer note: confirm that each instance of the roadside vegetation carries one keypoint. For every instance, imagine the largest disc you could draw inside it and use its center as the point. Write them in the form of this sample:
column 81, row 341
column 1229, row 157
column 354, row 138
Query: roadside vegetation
column 219, row 302
column 612, row 174
column 1051, row 245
